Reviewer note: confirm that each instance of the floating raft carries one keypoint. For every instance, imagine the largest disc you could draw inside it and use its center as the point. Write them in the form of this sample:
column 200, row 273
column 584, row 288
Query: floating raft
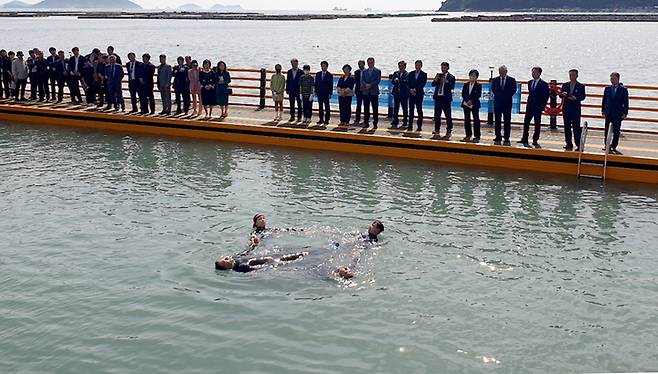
column 246, row 125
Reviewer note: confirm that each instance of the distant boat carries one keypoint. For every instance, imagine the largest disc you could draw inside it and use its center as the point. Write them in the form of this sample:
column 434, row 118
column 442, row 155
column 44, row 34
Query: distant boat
column 368, row 9
column 337, row 9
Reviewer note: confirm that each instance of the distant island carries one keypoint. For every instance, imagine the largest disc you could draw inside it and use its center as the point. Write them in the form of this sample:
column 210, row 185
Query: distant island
column 191, row 7
column 73, row 4
column 540, row 5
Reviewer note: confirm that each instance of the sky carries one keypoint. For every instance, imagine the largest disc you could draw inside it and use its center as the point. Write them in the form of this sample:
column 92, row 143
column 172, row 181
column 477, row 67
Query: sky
column 294, row 4
column 301, row 4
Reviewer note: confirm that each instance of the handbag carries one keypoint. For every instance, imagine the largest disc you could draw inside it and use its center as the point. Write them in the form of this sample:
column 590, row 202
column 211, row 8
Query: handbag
column 229, row 91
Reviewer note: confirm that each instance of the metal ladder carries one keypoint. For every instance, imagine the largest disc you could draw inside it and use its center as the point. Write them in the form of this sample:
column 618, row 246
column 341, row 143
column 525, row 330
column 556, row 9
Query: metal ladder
column 583, row 140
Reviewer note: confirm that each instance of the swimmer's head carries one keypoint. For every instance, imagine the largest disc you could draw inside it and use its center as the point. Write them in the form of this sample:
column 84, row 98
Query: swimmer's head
column 259, row 221
column 225, row 263
column 345, row 272
column 376, row 228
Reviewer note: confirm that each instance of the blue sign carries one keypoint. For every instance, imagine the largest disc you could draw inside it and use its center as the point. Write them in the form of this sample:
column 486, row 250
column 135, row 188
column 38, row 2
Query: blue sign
column 386, row 96
column 486, row 100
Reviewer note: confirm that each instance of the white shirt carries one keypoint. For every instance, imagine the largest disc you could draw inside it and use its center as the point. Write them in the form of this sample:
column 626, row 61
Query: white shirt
column 470, row 87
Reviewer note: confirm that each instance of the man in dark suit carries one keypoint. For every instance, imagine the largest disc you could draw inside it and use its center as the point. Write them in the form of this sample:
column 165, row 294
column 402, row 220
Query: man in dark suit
column 615, row 110
column 357, row 91
column 182, row 85
column 324, row 88
column 503, row 88
column 443, row 84
column 400, row 83
column 573, row 94
column 417, row 82
column 61, row 72
column 51, row 60
column 537, row 98
column 134, row 69
column 113, row 76
column 75, row 65
column 146, row 98
column 5, row 75
column 292, row 89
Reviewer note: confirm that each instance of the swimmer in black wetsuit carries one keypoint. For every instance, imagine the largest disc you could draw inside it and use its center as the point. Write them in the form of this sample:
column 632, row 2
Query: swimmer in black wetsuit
column 376, row 228
column 244, row 264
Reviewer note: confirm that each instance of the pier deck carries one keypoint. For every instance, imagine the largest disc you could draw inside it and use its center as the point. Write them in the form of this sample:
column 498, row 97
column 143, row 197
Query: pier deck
column 245, row 124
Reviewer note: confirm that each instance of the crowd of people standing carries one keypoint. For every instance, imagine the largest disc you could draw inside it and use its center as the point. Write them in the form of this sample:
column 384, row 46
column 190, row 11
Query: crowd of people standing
column 100, row 76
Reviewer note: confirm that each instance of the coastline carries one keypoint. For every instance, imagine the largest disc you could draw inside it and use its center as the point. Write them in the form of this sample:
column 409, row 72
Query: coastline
column 207, row 15
column 554, row 17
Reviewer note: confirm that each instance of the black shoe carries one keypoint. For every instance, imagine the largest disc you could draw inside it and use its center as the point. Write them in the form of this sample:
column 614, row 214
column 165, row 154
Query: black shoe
column 522, row 141
column 507, row 143
column 419, row 129
column 475, row 140
column 577, row 149
column 536, row 145
column 568, row 147
column 615, row 152
column 467, row 139
column 178, row 112
column 319, row 123
column 497, row 142
column 447, row 136
column 299, row 119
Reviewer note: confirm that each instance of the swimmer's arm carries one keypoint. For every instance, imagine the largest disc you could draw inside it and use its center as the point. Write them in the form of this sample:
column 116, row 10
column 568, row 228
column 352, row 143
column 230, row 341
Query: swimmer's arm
column 260, row 261
column 292, row 257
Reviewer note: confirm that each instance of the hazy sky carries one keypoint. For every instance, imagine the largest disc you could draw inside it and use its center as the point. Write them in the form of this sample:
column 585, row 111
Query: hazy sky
column 293, row 4
column 301, row 4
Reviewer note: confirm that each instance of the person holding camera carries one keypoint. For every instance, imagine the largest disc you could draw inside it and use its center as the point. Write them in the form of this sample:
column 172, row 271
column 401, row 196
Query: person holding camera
column 443, row 84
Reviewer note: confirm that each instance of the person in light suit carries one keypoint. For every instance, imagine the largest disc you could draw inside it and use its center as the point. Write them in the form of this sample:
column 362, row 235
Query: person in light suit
column 615, row 109
column 165, row 73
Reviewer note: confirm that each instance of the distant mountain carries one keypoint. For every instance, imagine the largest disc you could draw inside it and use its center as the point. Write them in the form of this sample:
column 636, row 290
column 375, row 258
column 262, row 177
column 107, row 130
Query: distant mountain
column 86, row 4
column 502, row 5
column 226, row 8
column 190, row 7
column 15, row 5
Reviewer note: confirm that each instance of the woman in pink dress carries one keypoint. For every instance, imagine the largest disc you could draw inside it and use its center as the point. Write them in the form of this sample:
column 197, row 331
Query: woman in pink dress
column 195, row 87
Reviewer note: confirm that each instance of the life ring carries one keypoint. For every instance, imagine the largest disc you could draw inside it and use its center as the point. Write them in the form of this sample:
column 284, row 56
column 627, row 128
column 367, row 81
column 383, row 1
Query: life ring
column 554, row 89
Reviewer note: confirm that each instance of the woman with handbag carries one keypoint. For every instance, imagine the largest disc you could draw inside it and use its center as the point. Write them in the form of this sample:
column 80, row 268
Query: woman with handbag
column 223, row 90
column 345, row 88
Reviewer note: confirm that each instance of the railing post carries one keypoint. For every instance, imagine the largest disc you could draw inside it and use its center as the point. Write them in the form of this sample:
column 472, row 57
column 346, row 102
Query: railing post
column 553, row 104
column 490, row 114
column 263, row 78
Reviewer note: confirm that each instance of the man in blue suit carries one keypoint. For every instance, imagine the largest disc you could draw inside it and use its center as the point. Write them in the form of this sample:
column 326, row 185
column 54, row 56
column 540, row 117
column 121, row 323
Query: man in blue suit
column 134, row 69
column 537, row 98
column 324, row 88
column 292, row 89
column 113, row 76
column 615, row 109
column 61, row 72
column 573, row 93
column 503, row 88
column 417, row 82
column 370, row 79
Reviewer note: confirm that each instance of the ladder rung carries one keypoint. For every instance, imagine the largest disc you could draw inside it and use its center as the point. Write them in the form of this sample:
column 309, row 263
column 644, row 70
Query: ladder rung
column 591, row 176
column 591, row 164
